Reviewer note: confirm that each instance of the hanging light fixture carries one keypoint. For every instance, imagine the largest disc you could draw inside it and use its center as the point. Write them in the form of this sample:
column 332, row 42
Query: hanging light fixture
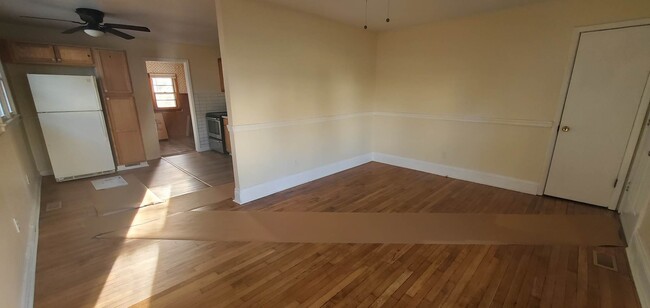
column 365, row 20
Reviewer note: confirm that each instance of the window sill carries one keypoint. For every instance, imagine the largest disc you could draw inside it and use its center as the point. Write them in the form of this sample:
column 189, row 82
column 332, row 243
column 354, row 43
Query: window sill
column 4, row 123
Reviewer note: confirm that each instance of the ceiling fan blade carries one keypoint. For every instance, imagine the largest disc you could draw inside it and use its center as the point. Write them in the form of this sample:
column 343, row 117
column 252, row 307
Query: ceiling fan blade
column 127, row 27
column 119, row 33
column 54, row 19
column 73, row 30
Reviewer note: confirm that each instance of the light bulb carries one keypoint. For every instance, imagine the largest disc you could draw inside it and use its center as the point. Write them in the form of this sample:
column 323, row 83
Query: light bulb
column 94, row 32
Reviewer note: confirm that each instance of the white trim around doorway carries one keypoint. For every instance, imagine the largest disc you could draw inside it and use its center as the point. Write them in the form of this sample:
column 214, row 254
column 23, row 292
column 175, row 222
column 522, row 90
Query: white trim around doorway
column 190, row 95
column 643, row 108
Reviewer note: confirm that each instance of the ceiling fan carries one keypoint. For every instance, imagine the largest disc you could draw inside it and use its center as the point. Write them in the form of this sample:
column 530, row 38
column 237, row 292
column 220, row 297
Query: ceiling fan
column 93, row 24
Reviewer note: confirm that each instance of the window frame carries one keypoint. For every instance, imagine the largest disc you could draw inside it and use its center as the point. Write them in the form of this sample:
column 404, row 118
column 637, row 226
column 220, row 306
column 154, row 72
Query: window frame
column 153, row 92
column 7, row 104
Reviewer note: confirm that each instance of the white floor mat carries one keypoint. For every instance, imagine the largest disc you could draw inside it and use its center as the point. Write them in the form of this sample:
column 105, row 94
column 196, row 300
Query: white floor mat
column 107, row 183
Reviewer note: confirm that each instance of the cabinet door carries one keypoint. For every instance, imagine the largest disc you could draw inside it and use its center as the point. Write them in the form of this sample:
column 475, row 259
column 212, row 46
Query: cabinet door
column 226, row 134
column 74, row 55
column 125, row 129
column 161, row 126
column 33, row 53
column 114, row 71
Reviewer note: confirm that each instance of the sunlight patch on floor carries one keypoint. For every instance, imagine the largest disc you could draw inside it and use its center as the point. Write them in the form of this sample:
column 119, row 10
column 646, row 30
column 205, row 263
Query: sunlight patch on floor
column 137, row 267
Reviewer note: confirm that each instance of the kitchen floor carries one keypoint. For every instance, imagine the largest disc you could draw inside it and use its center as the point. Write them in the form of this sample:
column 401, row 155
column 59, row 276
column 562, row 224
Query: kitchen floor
column 176, row 146
column 78, row 270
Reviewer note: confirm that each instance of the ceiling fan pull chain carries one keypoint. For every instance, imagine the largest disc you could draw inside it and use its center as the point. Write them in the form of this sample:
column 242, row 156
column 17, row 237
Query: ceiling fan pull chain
column 365, row 21
column 388, row 11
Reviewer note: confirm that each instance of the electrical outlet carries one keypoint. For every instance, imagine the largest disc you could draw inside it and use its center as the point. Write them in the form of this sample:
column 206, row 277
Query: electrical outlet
column 27, row 179
column 17, row 225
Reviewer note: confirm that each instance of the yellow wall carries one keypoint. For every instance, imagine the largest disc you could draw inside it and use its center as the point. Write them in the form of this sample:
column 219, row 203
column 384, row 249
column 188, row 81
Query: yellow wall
column 507, row 64
column 282, row 65
column 17, row 200
column 202, row 61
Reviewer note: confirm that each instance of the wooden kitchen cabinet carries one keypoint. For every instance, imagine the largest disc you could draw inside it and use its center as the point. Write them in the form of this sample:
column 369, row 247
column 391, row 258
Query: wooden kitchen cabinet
column 35, row 53
column 113, row 69
column 31, row 53
column 221, row 83
column 161, row 126
column 226, row 134
column 115, row 80
column 125, row 129
column 70, row 55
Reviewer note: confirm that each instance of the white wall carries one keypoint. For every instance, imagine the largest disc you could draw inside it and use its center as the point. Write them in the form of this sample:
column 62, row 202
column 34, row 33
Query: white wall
column 486, row 88
column 283, row 67
column 18, row 200
column 635, row 216
column 202, row 61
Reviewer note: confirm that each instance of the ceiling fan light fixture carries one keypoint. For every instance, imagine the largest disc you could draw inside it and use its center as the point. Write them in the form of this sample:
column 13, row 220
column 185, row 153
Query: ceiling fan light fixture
column 94, row 32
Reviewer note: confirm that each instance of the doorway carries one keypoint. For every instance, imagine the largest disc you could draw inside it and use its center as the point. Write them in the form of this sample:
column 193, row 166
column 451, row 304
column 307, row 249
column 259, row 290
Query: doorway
column 170, row 95
column 605, row 102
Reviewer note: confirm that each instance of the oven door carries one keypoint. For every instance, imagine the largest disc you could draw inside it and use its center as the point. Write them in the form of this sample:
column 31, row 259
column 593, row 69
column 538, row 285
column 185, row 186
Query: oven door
column 214, row 128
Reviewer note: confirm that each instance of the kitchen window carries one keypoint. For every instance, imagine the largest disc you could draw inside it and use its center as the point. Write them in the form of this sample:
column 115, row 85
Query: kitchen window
column 7, row 108
column 164, row 91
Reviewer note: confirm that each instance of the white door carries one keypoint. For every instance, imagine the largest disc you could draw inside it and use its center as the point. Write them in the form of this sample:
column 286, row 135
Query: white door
column 54, row 93
column 608, row 80
column 77, row 143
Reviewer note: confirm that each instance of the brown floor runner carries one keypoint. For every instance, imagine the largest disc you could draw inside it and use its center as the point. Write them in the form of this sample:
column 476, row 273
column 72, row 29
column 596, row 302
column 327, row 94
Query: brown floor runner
column 407, row 228
column 135, row 216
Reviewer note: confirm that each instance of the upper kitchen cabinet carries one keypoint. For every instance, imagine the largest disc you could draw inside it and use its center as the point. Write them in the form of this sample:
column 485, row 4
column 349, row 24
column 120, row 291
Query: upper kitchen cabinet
column 30, row 53
column 113, row 71
column 70, row 55
column 35, row 53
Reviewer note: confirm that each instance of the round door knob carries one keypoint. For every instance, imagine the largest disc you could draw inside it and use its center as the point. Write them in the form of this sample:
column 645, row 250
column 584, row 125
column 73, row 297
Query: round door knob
column 566, row 128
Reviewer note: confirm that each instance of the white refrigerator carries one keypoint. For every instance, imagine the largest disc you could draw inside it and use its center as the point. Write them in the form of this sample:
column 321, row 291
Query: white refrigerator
column 70, row 113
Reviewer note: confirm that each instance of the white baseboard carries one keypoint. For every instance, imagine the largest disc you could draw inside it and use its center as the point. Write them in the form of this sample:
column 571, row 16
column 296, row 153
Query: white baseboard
column 252, row 193
column 262, row 190
column 459, row 173
column 30, row 255
column 639, row 259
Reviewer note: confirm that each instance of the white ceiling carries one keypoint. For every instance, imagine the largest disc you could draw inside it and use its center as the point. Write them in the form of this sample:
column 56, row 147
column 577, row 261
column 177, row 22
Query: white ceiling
column 194, row 21
column 189, row 21
column 403, row 13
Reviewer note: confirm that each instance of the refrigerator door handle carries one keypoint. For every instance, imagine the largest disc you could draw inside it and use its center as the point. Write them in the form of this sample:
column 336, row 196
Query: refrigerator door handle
column 101, row 115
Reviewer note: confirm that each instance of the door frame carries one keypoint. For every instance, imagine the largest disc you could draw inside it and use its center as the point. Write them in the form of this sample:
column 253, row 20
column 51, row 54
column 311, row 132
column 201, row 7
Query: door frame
column 638, row 122
column 190, row 96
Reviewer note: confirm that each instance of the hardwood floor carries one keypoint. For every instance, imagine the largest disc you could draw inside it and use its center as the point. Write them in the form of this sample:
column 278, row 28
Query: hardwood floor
column 74, row 270
column 176, row 145
column 376, row 187
column 211, row 167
